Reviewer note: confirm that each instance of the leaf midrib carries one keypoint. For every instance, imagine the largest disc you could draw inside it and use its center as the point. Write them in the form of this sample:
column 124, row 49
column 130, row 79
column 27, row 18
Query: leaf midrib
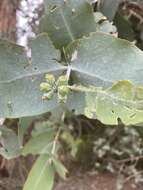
column 40, row 176
column 91, row 75
column 67, row 26
column 32, row 75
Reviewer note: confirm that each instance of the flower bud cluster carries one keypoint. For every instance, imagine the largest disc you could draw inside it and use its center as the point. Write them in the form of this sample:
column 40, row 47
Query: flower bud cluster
column 48, row 87
column 63, row 89
column 51, row 86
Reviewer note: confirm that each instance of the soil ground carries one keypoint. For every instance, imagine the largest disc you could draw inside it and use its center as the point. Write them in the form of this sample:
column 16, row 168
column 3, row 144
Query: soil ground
column 82, row 182
column 103, row 181
column 76, row 181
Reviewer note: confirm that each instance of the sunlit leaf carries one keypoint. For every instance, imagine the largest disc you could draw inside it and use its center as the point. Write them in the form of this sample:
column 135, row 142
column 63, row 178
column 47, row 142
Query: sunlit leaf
column 41, row 176
column 122, row 101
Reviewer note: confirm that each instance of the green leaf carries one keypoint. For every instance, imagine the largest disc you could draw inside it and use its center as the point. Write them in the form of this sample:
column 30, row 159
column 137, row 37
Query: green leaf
column 63, row 21
column 41, row 177
column 10, row 144
column 40, row 144
column 26, row 122
column 60, row 168
column 109, row 8
column 20, row 95
column 101, row 59
column 76, row 102
column 82, row 101
column 122, row 101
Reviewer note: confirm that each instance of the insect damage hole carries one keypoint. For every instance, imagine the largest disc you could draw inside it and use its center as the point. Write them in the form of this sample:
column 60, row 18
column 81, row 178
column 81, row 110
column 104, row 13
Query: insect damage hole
column 113, row 111
column 35, row 68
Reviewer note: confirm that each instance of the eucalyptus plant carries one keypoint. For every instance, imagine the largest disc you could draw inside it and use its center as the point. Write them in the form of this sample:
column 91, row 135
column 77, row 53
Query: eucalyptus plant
column 77, row 64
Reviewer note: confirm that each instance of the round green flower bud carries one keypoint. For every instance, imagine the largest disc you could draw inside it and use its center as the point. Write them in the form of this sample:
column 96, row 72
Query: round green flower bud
column 63, row 90
column 45, row 87
column 63, row 80
column 50, row 78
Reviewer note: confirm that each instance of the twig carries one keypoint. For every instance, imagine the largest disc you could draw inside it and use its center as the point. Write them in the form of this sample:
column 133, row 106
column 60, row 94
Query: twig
column 54, row 145
column 130, row 159
column 55, row 141
column 132, row 176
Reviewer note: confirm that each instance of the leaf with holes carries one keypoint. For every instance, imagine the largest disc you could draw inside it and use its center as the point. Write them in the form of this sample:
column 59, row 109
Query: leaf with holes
column 122, row 101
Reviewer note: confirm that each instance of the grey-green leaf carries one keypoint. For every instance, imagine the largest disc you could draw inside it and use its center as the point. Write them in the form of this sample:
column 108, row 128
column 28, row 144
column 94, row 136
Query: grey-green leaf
column 103, row 59
column 109, row 8
column 41, row 177
column 19, row 79
column 65, row 22
column 23, row 125
column 10, row 144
